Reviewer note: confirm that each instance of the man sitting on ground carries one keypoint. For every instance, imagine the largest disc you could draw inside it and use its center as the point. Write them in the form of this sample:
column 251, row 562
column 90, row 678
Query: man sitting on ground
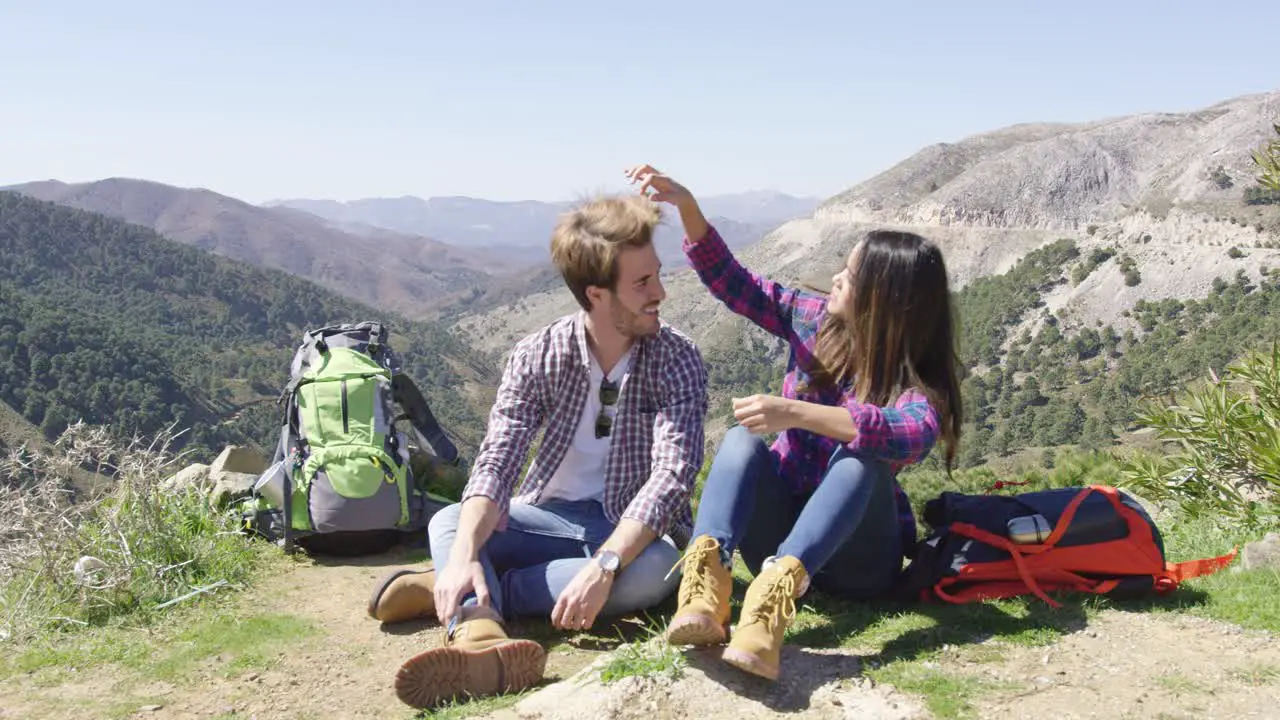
column 604, row 511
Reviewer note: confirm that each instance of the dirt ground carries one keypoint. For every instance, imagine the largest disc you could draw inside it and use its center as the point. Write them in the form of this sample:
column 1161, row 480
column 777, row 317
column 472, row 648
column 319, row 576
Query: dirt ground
column 1121, row 665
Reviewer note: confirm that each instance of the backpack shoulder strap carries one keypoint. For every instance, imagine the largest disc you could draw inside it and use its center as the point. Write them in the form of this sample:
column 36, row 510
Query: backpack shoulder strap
column 410, row 398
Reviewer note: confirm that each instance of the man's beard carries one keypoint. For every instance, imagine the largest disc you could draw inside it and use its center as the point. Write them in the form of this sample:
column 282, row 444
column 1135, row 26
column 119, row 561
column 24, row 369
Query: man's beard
column 631, row 324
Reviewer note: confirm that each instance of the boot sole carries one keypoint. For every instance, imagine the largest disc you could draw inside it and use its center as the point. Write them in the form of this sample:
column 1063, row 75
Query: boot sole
column 385, row 583
column 749, row 662
column 695, row 630
column 450, row 673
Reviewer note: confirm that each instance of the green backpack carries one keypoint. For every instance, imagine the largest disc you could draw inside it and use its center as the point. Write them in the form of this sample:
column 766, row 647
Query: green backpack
column 343, row 461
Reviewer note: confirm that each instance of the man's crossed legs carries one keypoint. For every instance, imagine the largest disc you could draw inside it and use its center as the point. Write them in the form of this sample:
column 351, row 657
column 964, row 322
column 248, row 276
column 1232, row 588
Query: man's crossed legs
column 526, row 567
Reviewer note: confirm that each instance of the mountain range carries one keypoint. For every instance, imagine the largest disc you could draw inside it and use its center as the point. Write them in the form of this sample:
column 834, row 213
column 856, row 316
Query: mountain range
column 396, row 271
column 406, row 255
column 521, row 229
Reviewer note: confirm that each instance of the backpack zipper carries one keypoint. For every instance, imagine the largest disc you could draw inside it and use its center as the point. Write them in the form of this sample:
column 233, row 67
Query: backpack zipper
column 344, row 408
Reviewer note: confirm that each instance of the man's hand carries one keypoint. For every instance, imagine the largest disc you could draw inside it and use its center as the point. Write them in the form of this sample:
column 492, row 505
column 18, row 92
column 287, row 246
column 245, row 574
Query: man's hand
column 582, row 599
column 763, row 414
column 455, row 581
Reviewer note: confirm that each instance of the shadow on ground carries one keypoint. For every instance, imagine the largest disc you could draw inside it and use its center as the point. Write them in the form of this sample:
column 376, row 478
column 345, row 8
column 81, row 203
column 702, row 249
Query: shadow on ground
column 810, row 657
column 804, row 671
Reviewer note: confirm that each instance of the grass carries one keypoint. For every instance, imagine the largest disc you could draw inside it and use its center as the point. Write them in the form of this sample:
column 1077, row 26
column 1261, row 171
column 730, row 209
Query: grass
column 470, row 708
column 1180, row 684
column 1256, row 675
column 242, row 643
column 649, row 657
column 947, row 695
column 114, row 670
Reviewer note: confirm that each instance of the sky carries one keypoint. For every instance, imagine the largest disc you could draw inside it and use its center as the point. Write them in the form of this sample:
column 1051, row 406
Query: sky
column 550, row 100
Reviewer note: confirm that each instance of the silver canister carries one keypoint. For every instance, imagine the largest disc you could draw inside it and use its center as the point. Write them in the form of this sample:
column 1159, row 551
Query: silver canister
column 1029, row 529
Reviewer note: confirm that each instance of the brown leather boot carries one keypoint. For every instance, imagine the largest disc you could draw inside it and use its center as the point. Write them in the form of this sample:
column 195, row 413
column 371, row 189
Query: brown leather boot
column 404, row 595
column 767, row 611
column 702, row 616
column 478, row 659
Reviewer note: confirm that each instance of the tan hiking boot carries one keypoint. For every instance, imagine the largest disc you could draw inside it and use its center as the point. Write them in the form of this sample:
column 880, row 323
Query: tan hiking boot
column 767, row 611
column 478, row 659
column 404, row 595
column 702, row 616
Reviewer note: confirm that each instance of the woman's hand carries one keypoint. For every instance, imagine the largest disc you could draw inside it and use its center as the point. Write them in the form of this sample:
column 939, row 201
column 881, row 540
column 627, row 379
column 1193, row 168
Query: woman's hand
column 664, row 188
column 764, row 414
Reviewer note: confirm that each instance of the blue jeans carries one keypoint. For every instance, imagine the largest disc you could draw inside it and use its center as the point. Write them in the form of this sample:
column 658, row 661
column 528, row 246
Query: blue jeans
column 529, row 564
column 845, row 532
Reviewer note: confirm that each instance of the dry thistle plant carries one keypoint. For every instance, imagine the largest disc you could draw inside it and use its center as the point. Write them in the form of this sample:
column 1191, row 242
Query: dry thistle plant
column 114, row 542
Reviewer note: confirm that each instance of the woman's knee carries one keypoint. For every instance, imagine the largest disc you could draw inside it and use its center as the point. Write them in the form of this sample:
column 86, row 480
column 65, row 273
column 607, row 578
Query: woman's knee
column 844, row 461
column 740, row 442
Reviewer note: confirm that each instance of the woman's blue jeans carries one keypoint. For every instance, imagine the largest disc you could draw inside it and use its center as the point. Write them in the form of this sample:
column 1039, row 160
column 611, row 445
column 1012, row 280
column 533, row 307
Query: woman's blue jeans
column 845, row 532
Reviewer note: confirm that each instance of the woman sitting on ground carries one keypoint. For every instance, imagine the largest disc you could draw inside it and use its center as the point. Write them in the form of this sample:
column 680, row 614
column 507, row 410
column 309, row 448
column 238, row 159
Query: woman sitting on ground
column 870, row 387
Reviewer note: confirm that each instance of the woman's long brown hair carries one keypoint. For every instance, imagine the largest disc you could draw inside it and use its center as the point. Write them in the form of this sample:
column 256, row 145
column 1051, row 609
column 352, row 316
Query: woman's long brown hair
column 898, row 331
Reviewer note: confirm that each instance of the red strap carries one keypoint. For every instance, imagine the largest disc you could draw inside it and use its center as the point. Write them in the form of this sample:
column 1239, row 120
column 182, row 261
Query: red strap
column 981, row 535
column 1175, row 573
column 1005, row 589
column 1002, row 484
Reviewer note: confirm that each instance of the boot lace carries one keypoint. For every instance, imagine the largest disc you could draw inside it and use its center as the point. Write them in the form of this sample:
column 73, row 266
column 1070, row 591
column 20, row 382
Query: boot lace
column 696, row 561
column 777, row 604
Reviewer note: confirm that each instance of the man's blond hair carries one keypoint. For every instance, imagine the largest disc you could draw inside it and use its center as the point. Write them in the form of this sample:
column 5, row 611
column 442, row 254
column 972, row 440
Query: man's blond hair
column 588, row 239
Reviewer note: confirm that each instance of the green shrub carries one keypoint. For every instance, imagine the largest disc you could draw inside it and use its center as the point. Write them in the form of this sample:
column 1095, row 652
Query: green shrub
column 1227, row 439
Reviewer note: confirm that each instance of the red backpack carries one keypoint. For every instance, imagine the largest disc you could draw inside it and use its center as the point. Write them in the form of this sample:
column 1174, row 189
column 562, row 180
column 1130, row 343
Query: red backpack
column 1092, row 539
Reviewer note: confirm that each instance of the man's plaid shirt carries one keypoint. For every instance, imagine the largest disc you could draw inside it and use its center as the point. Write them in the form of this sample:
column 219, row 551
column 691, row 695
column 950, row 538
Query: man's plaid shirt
column 657, row 445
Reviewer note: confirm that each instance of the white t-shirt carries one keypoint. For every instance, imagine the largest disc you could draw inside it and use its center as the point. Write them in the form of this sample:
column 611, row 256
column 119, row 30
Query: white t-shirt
column 580, row 475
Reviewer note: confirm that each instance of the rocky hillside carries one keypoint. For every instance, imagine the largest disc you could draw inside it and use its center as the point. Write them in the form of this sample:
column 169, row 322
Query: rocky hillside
column 1150, row 181
column 391, row 270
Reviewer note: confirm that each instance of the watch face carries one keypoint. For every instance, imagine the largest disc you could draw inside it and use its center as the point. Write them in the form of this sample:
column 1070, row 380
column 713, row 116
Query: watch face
column 609, row 560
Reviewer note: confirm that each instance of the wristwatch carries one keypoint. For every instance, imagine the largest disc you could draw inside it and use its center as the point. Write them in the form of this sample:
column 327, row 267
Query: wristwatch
column 608, row 561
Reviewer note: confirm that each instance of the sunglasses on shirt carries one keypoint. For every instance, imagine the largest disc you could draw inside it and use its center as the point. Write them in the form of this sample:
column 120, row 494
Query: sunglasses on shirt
column 608, row 397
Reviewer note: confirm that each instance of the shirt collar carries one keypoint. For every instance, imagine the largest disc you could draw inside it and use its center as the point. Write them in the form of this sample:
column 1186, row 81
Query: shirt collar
column 580, row 339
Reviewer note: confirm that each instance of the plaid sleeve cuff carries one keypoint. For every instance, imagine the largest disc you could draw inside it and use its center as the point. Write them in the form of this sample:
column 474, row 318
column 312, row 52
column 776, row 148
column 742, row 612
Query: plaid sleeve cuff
column 655, row 511
column 707, row 252
column 486, row 485
column 897, row 435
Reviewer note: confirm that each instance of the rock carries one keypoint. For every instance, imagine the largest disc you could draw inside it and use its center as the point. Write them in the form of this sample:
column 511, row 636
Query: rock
column 195, row 475
column 233, row 473
column 237, row 459
column 89, row 570
column 1264, row 553
column 150, row 708
column 231, row 485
